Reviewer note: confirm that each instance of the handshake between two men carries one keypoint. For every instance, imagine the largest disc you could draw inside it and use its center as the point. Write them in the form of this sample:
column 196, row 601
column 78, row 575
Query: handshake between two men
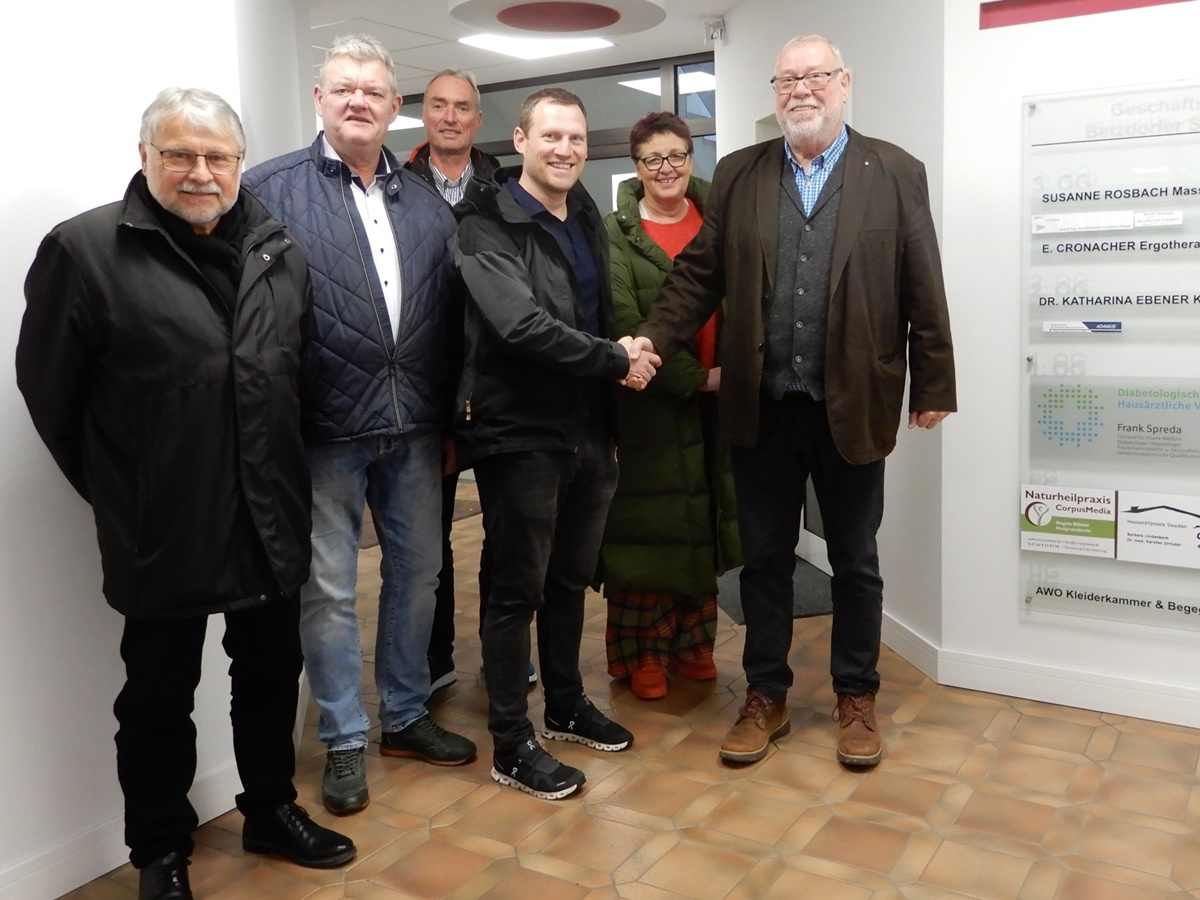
column 642, row 362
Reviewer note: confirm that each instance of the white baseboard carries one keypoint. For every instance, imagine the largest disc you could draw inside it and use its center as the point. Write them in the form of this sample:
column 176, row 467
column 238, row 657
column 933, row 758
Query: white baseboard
column 101, row 849
column 913, row 647
column 1176, row 704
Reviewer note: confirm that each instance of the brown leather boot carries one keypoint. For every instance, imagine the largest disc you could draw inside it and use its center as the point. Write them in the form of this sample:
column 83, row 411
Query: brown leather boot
column 859, row 743
column 760, row 721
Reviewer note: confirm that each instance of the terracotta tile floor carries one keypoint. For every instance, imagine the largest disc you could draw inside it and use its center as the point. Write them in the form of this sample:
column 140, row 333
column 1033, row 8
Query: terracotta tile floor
column 977, row 796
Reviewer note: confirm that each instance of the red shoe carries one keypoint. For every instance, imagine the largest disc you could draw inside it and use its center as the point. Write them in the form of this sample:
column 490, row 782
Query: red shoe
column 698, row 670
column 649, row 682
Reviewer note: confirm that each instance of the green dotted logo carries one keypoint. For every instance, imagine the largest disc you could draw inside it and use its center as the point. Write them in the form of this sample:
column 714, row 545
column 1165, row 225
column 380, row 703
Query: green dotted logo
column 1069, row 415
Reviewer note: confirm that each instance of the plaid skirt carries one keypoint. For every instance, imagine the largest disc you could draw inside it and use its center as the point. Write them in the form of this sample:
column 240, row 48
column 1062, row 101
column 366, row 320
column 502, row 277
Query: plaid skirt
column 645, row 628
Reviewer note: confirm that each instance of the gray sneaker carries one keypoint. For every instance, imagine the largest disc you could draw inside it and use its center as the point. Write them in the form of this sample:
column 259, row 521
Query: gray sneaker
column 344, row 789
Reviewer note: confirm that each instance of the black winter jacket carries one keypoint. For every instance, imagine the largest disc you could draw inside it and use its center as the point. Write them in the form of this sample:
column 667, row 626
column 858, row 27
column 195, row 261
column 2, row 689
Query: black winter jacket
column 181, row 429
column 530, row 373
column 359, row 381
column 483, row 164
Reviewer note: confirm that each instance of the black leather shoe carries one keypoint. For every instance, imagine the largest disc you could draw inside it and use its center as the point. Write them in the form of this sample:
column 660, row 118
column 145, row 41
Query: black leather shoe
column 165, row 879
column 288, row 832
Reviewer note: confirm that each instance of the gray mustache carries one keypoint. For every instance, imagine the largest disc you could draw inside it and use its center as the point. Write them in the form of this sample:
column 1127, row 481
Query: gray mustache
column 188, row 188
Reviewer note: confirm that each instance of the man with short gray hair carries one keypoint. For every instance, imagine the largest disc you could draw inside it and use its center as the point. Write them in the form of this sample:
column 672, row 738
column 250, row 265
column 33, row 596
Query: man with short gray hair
column 159, row 357
column 448, row 160
column 822, row 247
column 377, row 240
column 451, row 114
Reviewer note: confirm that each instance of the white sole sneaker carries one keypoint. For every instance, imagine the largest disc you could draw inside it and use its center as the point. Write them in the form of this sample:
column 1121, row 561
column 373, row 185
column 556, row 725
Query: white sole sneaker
column 580, row 739
column 499, row 776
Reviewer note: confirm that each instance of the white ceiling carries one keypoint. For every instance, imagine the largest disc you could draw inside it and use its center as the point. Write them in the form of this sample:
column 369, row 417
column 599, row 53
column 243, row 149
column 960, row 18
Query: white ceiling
column 423, row 40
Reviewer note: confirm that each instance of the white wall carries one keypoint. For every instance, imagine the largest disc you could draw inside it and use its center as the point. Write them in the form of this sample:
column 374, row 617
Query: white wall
column 71, row 144
column 896, row 67
column 989, row 642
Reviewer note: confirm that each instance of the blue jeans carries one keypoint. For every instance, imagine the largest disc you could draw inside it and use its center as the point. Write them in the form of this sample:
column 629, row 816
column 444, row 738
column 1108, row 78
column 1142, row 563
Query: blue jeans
column 794, row 442
column 400, row 478
column 544, row 515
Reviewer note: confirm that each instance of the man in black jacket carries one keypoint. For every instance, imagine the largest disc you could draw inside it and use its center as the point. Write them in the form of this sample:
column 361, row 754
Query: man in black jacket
column 451, row 113
column 158, row 357
column 535, row 418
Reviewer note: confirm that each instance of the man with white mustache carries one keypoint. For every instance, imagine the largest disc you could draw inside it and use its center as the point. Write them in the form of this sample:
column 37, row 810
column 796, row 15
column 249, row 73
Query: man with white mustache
column 823, row 248
column 160, row 360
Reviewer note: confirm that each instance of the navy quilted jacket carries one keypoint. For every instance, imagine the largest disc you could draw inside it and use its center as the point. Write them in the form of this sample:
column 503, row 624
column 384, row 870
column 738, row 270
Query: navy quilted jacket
column 358, row 381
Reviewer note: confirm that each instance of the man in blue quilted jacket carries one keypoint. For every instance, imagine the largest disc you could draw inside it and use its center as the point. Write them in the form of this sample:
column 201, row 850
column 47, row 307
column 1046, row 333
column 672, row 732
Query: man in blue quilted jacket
column 377, row 239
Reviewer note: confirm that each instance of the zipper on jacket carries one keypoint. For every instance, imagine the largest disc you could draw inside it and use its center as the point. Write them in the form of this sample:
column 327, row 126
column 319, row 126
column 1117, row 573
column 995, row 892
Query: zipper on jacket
column 383, row 332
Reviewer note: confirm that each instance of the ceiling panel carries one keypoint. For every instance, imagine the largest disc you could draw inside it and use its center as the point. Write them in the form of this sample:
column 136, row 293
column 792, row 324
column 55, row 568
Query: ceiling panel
column 424, row 40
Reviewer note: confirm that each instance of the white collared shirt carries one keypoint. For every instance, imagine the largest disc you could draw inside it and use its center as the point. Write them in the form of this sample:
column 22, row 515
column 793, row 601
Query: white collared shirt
column 380, row 238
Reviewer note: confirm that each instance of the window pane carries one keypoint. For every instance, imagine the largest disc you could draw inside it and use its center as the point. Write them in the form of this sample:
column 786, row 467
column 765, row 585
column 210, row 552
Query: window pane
column 695, row 90
column 613, row 101
column 609, row 103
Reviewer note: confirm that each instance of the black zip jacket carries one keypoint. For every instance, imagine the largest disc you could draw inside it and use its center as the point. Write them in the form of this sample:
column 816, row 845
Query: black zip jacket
column 178, row 424
column 531, row 374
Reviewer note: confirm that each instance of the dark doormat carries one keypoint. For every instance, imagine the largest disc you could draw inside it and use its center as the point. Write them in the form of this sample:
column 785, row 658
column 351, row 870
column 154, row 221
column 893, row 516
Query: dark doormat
column 810, row 593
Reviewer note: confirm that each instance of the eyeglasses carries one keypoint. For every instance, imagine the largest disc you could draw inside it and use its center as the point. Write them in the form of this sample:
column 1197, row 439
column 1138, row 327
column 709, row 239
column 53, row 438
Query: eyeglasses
column 185, row 161
column 814, row 81
column 654, row 163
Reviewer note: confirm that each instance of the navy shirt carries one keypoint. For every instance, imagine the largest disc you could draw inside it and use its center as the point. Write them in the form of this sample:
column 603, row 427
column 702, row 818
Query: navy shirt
column 572, row 240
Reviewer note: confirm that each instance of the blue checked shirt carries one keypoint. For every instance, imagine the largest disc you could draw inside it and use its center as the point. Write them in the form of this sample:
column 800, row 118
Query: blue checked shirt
column 810, row 183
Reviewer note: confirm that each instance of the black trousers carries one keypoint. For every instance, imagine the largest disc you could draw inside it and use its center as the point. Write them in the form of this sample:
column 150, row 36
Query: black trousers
column 794, row 442
column 544, row 516
column 156, row 738
column 441, row 636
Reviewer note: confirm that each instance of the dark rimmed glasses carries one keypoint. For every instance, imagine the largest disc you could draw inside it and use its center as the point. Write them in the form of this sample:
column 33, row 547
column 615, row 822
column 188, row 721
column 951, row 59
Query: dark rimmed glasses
column 654, row 163
column 814, row 81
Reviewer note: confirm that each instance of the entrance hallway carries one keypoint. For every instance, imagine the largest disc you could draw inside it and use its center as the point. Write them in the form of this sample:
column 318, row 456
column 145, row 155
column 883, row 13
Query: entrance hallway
column 977, row 795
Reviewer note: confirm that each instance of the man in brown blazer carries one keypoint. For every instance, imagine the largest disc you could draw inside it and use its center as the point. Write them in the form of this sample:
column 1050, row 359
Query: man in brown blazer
column 823, row 248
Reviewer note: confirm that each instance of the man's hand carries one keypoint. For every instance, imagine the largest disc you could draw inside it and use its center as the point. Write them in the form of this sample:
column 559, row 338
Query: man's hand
column 642, row 362
column 641, row 370
column 635, row 345
column 925, row 419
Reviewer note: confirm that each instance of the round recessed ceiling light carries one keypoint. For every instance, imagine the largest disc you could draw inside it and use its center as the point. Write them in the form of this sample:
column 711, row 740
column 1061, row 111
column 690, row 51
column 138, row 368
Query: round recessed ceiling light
column 559, row 16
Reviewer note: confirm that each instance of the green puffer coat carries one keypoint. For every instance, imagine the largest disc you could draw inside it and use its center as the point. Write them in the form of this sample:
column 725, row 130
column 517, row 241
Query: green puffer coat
column 672, row 526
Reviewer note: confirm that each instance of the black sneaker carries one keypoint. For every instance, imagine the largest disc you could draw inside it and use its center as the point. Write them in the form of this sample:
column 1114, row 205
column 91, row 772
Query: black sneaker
column 426, row 739
column 531, row 769
column 344, row 788
column 586, row 725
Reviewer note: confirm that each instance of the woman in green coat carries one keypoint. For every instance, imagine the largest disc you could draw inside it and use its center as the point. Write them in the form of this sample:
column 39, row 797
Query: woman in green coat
column 672, row 526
